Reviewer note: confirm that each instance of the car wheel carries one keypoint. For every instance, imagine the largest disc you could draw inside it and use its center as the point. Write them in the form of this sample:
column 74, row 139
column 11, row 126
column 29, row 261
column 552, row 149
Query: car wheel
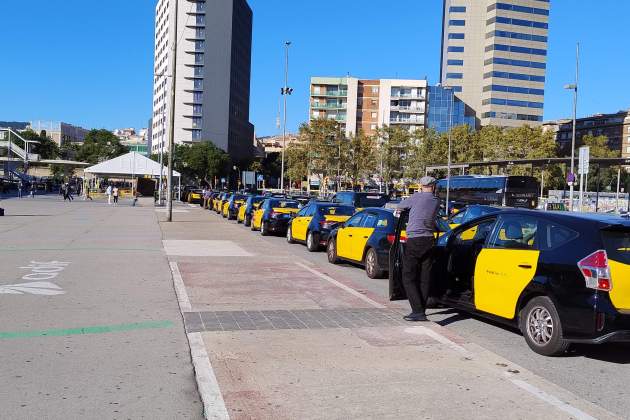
column 290, row 236
column 372, row 268
column 541, row 327
column 264, row 229
column 331, row 252
column 312, row 242
column 248, row 221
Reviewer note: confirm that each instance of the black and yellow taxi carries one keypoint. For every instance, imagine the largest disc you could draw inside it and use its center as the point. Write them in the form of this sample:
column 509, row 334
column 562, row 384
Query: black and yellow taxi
column 246, row 211
column 314, row 222
column 234, row 203
column 361, row 200
column 364, row 239
column 560, row 277
column 218, row 202
column 273, row 215
column 195, row 196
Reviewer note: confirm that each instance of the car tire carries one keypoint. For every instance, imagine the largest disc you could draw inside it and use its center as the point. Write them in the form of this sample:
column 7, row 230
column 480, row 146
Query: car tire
column 540, row 324
column 312, row 242
column 264, row 229
column 248, row 221
column 372, row 269
column 290, row 235
column 331, row 251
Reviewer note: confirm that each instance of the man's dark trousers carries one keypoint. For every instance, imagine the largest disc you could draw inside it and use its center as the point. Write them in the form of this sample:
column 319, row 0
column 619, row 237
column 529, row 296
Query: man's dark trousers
column 417, row 271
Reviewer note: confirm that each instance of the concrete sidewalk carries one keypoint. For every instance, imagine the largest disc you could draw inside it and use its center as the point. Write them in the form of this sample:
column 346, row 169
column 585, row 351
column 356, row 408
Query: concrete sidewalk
column 90, row 326
column 288, row 338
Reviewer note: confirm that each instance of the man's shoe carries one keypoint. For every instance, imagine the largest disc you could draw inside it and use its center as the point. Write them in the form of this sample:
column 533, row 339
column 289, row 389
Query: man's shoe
column 412, row 317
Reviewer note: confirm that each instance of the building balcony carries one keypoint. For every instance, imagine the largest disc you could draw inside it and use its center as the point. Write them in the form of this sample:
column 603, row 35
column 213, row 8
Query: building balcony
column 408, row 96
column 328, row 106
column 417, row 121
column 409, row 109
column 339, row 93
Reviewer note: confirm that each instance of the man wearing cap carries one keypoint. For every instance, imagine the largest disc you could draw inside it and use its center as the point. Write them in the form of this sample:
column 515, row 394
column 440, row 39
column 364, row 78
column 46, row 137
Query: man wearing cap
column 423, row 208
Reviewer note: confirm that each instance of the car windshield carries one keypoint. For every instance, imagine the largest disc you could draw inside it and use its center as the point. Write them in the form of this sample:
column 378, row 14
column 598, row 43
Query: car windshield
column 336, row 211
column 372, row 200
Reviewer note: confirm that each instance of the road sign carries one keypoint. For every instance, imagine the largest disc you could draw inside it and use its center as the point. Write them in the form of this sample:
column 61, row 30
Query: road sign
column 583, row 165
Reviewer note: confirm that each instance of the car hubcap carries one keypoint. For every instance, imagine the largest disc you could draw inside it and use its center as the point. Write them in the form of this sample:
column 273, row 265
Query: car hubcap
column 370, row 262
column 540, row 326
column 289, row 234
column 309, row 240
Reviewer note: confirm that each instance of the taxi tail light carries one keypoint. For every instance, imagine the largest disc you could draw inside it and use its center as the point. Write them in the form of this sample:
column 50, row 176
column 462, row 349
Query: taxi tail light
column 327, row 224
column 596, row 271
column 391, row 238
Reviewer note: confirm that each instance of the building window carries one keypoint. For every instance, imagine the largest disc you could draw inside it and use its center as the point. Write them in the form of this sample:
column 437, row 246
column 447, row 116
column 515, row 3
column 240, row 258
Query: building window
column 199, row 45
column 198, row 71
column 514, row 89
column 374, row 115
column 198, row 58
column 198, row 83
column 456, row 49
column 516, row 49
column 456, row 36
column 374, row 126
column 455, row 62
column 374, row 89
column 516, row 8
column 197, row 122
column 520, row 63
column 517, row 22
column 516, row 35
column 454, row 76
column 197, row 97
column 510, row 102
column 200, row 20
column 196, row 135
column 457, row 9
column 457, row 22
column 456, row 89
column 514, row 76
column 197, row 109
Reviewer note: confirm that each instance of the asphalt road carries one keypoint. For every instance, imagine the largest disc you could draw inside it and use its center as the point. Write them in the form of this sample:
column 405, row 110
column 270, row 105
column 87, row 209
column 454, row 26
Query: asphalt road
column 89, row 321
column 598, row 374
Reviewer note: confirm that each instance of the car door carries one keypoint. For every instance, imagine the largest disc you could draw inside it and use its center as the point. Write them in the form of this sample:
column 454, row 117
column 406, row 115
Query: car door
column 300, row 223
column 506, row 265
column 361, row 235
column 346, row 235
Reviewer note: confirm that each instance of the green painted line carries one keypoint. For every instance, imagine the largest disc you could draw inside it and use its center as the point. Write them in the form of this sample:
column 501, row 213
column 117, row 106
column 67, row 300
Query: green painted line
column 104, row 329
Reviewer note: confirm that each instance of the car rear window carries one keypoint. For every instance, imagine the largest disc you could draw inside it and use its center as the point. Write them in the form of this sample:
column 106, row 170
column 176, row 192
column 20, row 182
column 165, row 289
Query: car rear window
column 336, row 210
column 617, row 244
column 284, row 203
column 374, row 200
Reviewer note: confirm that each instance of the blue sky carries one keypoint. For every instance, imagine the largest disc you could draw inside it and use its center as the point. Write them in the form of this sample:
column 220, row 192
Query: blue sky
column 90, row 63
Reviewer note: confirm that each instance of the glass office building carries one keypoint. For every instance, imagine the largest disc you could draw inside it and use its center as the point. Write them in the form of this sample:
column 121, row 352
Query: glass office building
column 446, row 110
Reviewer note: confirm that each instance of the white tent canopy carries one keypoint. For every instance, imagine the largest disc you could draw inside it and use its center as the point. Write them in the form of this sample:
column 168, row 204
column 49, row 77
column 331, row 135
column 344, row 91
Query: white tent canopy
column 132, row 164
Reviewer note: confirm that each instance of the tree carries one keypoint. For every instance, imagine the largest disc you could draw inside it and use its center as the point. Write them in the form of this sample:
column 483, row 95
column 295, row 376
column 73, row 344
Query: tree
column 358, row 157
column 100, row 145
column 394, row 151
column 201, row 162
column 46, row 148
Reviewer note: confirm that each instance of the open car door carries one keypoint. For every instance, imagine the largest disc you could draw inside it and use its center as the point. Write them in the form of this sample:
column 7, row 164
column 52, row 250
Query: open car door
column 396, row 254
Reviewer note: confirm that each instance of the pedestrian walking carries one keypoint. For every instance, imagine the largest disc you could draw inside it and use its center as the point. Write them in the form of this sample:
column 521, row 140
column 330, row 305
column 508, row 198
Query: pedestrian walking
column 32, row 190
column 423, row 208
column 115, row 195
column 20, row 186
column 108, row 192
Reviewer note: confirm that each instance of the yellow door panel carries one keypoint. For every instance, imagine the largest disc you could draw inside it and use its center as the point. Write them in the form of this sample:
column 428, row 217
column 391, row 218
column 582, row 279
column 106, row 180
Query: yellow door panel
column 225, row 209
column 501, row 275
column 620, row 293
column 257, row 220
column 343, row 242
column 299, row 227
column 241, row 213
column 353, row 242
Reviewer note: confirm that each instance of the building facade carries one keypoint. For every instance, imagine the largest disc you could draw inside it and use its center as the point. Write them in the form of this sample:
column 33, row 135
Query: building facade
column 446, row 110
column 616, row 127
column 61, row 133
column 366, row 105
column 494, row 55
column 213, row 69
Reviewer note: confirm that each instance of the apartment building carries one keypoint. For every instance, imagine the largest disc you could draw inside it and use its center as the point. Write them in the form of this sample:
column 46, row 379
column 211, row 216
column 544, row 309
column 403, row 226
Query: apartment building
column 61, row 132
column 494, row 56
column 368, row 104
column 616, row 127
column 214, row 40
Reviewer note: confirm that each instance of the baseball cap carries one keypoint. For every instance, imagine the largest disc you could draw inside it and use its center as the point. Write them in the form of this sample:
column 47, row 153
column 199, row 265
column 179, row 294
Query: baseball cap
column 427, row 180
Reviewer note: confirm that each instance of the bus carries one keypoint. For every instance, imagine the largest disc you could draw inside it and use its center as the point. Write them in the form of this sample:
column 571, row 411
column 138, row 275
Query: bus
column 498, row 190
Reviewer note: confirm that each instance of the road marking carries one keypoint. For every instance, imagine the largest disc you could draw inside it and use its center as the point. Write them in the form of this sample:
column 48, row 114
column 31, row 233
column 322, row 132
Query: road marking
column 439, row 338
column 207, row 384
column 550, row 399
column 174, row 211
column 87, row 330
column 180, row 289
column 207, row 248
column 341, row 286
column 32, row 288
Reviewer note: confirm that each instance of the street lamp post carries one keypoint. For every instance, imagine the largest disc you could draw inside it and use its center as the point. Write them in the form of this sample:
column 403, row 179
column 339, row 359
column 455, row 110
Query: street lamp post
column 448, row 165
column 171, row 137
column 286, row 90
column 574, row 88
